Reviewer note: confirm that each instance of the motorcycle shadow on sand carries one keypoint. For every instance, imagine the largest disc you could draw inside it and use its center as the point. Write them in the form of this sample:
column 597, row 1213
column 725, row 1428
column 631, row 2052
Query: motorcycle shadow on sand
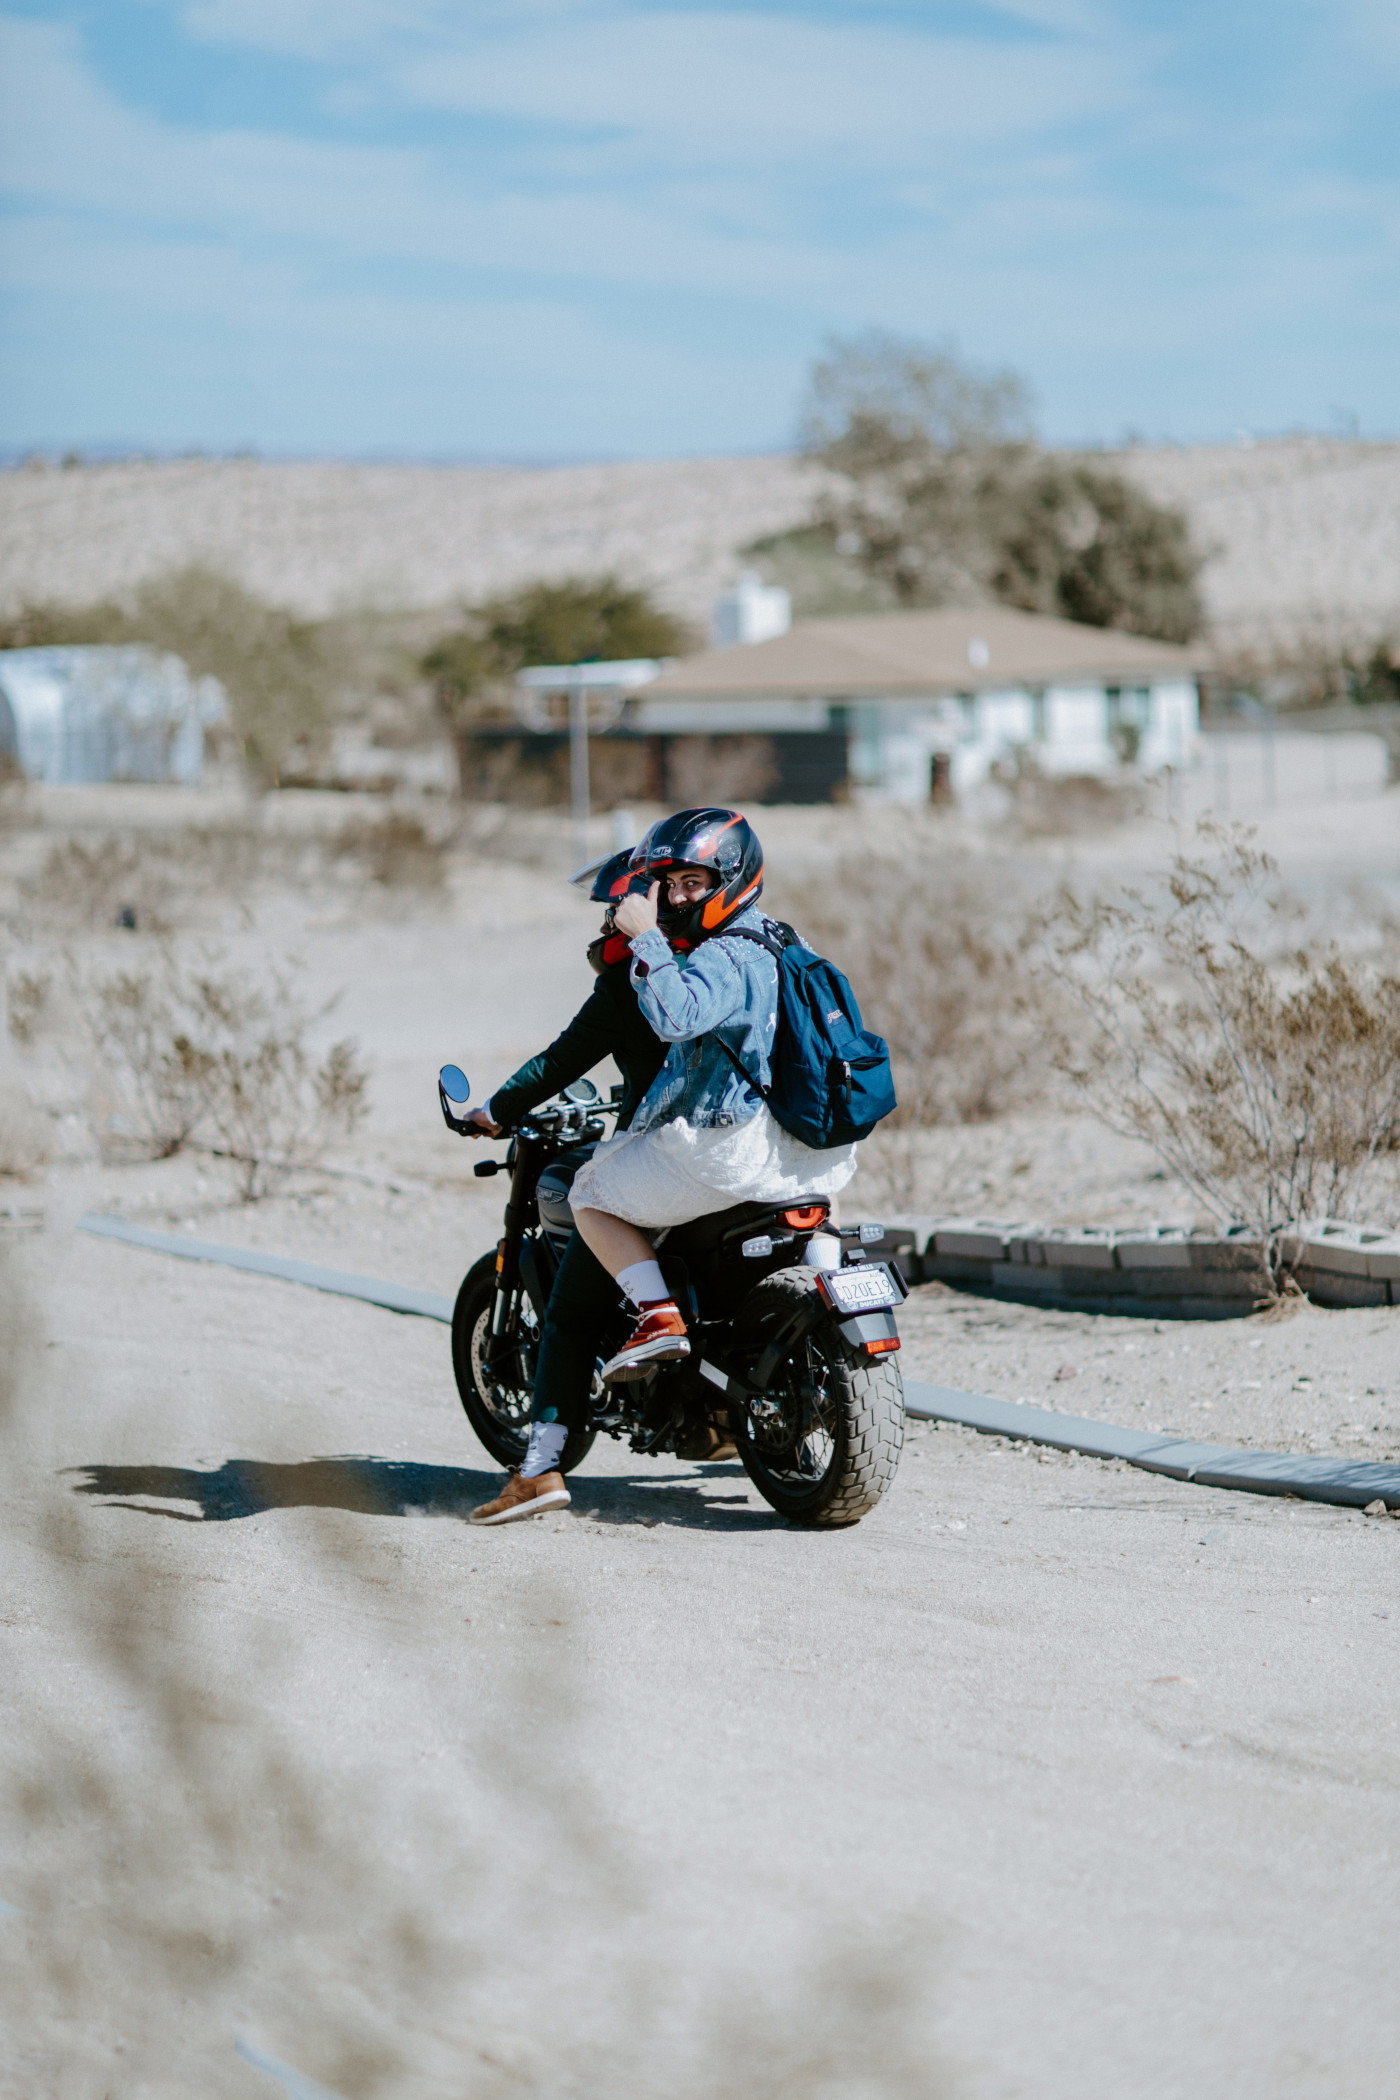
column 710, row 1498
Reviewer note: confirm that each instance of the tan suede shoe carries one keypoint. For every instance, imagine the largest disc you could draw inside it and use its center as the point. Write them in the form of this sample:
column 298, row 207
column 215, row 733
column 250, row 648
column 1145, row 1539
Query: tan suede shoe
column 524, row 1498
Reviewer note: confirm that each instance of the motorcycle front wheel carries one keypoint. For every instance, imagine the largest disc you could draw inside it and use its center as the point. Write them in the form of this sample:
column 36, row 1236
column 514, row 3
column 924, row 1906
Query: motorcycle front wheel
column 823, row 1444
column 496, row 1373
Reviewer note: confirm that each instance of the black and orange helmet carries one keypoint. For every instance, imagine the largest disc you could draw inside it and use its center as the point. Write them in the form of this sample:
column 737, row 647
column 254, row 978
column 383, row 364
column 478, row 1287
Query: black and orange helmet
column 721, row 842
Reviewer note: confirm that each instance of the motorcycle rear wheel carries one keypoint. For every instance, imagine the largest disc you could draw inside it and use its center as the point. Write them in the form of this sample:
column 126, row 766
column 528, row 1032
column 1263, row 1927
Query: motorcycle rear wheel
column 832, row 1448
column 498, row 1405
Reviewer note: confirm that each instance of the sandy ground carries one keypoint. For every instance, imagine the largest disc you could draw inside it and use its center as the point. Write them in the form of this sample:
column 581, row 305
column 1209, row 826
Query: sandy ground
column 995, row 1795
column 1302, row 534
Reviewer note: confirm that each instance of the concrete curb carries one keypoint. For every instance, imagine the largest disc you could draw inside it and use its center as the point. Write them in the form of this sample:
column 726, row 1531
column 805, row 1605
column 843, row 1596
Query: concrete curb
column 1210, row 1465
column 394, row 1297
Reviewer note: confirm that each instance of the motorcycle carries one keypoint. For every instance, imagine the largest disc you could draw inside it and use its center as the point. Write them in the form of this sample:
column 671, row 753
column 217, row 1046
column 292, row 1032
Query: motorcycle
column 791, row 1322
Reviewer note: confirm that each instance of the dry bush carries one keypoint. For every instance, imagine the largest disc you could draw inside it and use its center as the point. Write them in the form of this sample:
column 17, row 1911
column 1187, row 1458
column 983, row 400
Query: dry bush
column 28, row 998
column 1059, row 805
column 1264, row 1069
column 213, row 1879
column 211, row 1050
column 937, row 947
column 397, row 850
column 25, row 1136
column 153, row 880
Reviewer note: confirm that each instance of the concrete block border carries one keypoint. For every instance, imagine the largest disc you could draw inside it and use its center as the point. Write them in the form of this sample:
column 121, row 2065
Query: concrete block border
column 1210, row 1465
column 1155, row 1272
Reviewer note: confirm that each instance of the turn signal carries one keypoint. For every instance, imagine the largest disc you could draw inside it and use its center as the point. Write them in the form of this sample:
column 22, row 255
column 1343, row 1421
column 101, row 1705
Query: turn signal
column 805, row 1220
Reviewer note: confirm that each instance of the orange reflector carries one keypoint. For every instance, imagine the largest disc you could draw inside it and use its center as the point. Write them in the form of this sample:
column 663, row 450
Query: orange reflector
column 804, row 1220
column 500, row 1256
column 882, row 1348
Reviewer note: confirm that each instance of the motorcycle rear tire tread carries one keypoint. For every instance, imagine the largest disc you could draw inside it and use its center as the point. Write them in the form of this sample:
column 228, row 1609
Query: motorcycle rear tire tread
column 874, row 1422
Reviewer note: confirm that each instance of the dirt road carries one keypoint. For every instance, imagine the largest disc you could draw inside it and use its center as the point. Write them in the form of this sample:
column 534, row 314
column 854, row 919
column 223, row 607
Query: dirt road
column 1050, row 1780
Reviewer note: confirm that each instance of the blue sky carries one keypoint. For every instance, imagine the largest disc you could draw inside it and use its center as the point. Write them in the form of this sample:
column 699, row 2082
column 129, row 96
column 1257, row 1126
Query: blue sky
column 601, row 228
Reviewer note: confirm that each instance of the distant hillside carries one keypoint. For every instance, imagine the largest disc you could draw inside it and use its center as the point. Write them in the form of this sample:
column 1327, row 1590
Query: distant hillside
column 1304, row 532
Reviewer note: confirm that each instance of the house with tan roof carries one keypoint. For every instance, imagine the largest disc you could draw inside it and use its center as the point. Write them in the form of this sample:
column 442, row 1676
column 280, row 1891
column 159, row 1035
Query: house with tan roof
column 913, row 704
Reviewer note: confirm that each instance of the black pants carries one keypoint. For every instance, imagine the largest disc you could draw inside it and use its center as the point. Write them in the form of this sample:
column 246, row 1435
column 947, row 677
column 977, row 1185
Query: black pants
column 583, row 1321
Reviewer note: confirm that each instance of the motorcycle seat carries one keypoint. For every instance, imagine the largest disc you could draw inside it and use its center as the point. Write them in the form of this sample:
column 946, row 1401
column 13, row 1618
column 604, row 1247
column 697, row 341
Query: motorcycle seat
column 696, row 1236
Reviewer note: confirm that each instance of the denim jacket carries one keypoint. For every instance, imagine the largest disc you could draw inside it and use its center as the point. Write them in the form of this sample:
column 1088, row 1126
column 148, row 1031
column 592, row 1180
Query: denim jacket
column 722, row 988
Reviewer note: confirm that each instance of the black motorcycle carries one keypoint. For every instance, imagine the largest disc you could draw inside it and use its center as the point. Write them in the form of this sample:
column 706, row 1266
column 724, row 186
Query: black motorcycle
column 794, row 1364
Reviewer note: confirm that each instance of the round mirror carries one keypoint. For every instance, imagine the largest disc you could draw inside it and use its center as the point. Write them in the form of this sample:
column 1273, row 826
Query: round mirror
column 581, row 1092
column 453, row 1081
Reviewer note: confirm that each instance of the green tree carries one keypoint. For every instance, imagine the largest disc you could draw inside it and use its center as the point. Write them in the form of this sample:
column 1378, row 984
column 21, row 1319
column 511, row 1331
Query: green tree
column 270, row 664
column 578, row 620
column 939, row 495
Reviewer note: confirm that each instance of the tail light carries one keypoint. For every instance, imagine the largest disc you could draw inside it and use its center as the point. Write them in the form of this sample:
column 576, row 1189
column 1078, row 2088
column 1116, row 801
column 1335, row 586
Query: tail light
column 883, row 1347
column 807, row 1219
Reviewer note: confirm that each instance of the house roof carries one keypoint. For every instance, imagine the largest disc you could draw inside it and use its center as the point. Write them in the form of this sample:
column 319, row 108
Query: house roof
column 958, row 650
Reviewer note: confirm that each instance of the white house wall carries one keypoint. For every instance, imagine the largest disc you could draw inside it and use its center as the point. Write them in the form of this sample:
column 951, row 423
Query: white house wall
column 1066, row 728
column 1174, row 728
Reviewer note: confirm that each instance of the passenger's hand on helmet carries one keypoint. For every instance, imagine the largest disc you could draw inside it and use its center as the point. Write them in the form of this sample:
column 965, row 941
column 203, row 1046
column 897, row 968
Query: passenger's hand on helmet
column 636, row 915
column 480, row 1124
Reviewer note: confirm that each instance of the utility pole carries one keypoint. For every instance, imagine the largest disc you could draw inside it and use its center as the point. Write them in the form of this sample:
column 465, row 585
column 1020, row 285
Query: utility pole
column 578, row 762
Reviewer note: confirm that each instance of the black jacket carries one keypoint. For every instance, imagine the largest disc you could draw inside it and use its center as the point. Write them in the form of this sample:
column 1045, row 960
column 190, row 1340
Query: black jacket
column 608, row 1024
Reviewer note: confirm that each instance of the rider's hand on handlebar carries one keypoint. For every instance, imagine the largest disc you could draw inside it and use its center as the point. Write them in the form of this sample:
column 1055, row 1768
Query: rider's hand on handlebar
column 636, row 915
column 480, row 1125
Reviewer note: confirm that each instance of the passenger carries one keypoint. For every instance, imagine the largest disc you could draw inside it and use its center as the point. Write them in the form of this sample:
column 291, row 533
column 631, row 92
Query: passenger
column 704, row 1138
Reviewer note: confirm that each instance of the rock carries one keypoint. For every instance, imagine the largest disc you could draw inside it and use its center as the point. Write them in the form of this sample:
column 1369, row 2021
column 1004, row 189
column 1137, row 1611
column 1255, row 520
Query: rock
column 1375, row 1509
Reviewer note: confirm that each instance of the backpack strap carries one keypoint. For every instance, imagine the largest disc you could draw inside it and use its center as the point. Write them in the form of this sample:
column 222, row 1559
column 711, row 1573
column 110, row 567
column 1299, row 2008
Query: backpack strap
column 746, row 933
column 742, row 1069
column 774, row 948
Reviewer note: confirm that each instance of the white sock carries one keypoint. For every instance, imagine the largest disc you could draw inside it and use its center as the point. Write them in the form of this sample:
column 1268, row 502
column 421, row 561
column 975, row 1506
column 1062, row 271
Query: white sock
column 546, row 1448
column 643, row 1282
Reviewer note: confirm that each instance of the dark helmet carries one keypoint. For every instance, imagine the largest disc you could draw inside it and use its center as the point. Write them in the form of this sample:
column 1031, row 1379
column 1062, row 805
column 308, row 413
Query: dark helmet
column 717, row 840
column 606, row 881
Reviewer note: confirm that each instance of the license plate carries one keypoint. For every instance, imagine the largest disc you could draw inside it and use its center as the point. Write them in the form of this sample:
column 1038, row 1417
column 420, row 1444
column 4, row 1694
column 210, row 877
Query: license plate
column 859, row 1290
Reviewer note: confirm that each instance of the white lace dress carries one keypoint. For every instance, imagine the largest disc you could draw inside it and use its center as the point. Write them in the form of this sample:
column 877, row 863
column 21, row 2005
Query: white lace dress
column 674, row 1172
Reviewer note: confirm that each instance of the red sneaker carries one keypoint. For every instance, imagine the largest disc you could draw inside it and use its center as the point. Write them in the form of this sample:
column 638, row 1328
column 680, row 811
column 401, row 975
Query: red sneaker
column 658, row 1338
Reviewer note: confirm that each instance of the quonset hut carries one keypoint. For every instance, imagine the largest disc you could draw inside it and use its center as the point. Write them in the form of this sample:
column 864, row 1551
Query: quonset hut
column 80, row 716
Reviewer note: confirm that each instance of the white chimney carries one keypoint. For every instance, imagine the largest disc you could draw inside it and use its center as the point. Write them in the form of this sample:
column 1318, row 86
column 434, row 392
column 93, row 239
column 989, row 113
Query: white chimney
column 753, row 611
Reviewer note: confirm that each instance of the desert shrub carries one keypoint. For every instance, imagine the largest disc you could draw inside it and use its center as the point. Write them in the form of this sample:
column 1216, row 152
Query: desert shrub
column 398, row 850
column 1263, row 1069
column 212, row 1051
column 937, row 950
column 937, row 493
column 25, row 1135
column 1058, row 805
column 28, row 994
column 151, row 879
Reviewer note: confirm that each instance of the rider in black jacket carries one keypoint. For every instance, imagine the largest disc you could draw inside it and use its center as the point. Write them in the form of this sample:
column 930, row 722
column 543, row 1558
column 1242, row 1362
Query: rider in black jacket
column 608, row 1024
column 583, row 1305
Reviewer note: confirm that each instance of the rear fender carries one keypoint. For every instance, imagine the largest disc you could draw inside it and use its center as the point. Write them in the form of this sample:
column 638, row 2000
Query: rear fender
column 869, row 1327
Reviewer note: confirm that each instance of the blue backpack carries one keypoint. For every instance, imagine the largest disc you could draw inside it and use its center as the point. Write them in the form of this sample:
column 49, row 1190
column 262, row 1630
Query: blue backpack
column 831, row 1076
